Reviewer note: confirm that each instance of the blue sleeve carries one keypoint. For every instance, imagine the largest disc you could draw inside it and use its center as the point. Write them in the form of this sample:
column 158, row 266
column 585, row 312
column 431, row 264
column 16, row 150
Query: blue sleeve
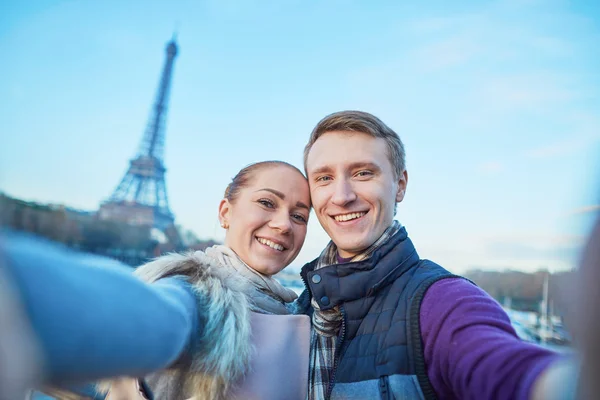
column 93, row 321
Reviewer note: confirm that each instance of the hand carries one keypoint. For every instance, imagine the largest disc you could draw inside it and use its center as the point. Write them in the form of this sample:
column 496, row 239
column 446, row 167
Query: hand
column 587, row 301
column 577, row 377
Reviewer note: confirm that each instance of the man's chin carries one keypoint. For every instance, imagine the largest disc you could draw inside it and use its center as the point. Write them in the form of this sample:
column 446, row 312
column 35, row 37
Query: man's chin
column 348, row 249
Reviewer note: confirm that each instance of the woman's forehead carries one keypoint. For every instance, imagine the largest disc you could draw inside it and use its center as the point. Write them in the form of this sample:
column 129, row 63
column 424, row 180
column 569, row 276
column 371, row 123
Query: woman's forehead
column 286, row 181
column 274, row 171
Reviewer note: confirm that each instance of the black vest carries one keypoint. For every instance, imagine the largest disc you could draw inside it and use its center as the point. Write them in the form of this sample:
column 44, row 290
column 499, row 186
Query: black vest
column 380, row 299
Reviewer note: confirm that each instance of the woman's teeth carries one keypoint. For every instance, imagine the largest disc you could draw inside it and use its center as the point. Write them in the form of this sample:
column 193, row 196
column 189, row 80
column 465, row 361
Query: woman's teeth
column 272, row 245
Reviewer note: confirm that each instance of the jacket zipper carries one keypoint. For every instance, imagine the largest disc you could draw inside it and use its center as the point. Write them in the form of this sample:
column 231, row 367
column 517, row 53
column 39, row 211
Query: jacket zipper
column 338, row 345
column 384, row 388
column 338, row 354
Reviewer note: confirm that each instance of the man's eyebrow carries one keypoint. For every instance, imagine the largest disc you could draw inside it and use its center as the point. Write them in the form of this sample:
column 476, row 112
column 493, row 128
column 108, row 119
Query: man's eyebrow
column 321, row 170
column 355, row 165
column 365, row 164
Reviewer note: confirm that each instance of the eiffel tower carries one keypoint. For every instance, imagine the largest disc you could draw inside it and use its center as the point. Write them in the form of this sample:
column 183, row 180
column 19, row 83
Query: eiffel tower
column 141, row 196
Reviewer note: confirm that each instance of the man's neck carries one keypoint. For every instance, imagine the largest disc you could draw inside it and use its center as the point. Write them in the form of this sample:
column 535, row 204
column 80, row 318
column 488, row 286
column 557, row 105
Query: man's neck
column 342, row 260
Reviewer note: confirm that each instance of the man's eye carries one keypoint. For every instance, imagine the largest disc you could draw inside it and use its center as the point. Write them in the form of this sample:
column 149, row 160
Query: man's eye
column 323, row 178
column 364, row 173
column 267, row 203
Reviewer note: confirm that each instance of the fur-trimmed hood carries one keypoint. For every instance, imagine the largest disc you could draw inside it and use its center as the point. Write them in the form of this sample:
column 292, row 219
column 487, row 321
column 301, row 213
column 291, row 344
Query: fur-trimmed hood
column 221, row 351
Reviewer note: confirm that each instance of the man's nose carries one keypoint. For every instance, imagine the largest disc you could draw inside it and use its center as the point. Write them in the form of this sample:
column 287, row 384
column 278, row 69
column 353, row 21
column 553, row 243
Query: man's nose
column 343, row 193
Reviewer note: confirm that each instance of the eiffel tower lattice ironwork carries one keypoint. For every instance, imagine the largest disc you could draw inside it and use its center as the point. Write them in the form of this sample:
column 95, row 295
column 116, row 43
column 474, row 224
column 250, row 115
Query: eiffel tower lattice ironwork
column 141, row 196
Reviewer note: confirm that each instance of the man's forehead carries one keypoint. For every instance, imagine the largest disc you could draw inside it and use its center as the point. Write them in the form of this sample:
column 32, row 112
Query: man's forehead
column 330, row 144
column 333, row 153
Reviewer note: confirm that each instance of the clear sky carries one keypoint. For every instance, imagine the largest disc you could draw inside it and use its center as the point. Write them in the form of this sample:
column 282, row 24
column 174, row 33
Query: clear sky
column 498, row 103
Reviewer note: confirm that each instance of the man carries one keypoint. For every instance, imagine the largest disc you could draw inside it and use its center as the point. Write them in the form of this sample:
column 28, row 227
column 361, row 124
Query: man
column 387, row 324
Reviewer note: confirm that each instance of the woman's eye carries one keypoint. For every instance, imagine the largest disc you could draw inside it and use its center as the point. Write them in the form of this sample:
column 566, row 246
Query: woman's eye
column 267, row 203
column 300, row 218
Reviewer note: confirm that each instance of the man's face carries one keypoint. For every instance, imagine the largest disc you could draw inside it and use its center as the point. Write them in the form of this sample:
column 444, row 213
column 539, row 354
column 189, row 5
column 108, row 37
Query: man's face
column 353, row 188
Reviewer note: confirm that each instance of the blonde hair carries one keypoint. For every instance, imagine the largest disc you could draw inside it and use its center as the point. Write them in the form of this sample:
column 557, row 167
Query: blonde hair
column 360, row 121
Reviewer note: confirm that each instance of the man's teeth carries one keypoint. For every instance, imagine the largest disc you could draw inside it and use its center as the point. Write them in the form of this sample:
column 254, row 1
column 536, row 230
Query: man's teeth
column 348, row 217
column 272, row 245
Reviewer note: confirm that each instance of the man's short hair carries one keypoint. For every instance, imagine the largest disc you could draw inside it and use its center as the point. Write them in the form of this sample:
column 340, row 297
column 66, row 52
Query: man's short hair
column 360, row 121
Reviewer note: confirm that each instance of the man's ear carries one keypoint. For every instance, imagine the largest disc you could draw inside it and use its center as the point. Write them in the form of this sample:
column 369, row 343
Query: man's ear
column 224, row 213
column 402, row 182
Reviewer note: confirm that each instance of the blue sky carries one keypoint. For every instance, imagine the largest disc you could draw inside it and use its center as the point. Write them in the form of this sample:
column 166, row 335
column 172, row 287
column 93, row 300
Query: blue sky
column 498, row 103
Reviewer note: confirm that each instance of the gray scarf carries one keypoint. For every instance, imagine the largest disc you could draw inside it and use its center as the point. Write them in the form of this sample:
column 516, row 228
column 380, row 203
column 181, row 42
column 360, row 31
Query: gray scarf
column 266, row 295
column 326, row 323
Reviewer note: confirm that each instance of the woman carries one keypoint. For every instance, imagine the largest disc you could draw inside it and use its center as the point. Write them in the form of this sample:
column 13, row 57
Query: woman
column 243, row 315
column 265, row 213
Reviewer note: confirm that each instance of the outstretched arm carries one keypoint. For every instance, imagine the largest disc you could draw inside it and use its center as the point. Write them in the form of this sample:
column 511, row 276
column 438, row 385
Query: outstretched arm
column 90, row 321
column 472, row 351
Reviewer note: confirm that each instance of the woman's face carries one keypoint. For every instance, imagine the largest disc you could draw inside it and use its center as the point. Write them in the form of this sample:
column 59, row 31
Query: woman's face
column 268, row 219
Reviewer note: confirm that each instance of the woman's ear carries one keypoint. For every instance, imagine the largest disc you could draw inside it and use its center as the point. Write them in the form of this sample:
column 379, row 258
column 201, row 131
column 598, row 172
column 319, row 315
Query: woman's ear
column 224, row 213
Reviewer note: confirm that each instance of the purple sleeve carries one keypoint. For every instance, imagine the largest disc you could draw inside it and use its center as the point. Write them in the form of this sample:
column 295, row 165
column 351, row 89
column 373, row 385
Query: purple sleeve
column 471, row 349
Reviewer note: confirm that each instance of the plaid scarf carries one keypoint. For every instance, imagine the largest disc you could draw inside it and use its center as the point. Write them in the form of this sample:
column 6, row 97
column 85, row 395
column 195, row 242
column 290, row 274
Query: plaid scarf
column 326, row 323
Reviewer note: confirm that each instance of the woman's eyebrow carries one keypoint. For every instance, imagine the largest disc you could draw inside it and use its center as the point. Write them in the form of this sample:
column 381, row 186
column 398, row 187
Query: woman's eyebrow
column 282, row 197
column 275, row 192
